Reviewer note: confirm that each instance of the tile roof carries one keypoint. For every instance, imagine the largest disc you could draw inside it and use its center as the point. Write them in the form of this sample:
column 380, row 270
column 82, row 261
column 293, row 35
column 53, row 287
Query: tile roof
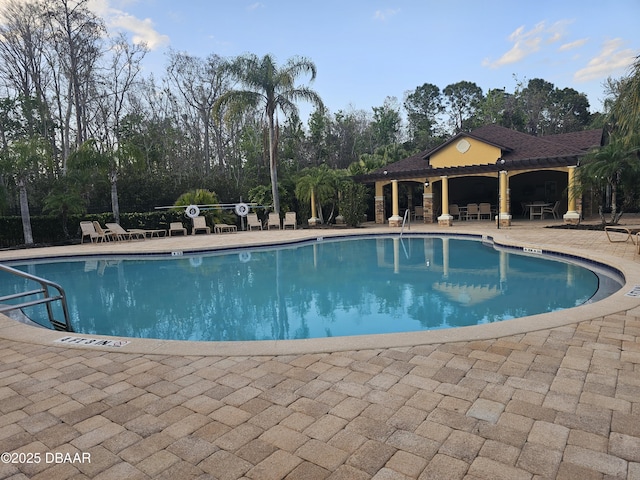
column 519, row 150
column 521, row 146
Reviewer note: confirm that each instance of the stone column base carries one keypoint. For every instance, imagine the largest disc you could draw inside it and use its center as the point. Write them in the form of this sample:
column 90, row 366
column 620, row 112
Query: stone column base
column 445, row 220
column 504, row 220
column 313, row 221
column 571, row 218
column 395, row 221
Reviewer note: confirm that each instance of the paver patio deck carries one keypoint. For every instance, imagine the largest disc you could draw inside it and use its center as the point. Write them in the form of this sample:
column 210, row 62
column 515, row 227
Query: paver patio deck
column 560, row 402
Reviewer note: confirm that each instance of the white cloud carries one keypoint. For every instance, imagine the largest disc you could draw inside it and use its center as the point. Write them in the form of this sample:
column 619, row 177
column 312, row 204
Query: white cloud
column 526, row 43
column 611, row 58
column 572, row 45
column 142, row 30
column 254, row 6
column 383, row 15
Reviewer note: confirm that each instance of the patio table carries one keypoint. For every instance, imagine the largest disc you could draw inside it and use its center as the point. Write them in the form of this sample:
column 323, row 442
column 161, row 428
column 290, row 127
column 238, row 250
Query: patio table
column 536, row 209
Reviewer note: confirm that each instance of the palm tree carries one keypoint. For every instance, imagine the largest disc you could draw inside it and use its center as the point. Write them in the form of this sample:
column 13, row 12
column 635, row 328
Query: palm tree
column 613, row 167
column 201, row 196
column 270, row 88
column 25, row 158
column 626, row 108
column 316, row 185
column 64, row 199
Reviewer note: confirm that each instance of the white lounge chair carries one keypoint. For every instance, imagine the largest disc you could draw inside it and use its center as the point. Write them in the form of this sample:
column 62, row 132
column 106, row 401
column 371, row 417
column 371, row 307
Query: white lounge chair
column 274, row 221
column 290, row 220
column 200, row 225
column 253, row 221
column 120, row 233
column 108, row 234
column 88, row 230
column 177, row 228
column 224, row 228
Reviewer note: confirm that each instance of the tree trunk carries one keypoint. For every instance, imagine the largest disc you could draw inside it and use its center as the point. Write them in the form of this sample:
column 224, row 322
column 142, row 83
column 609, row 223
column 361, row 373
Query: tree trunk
column 207, row 134
column 24, row 213
column 273, row 167
column 115, row 206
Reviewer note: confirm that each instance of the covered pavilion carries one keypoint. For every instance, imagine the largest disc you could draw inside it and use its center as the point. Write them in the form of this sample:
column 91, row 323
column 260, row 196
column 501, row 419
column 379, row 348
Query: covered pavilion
column 507, row 169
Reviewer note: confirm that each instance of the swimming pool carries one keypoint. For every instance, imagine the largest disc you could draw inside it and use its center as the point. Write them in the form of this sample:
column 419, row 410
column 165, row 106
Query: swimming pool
column 313, row 289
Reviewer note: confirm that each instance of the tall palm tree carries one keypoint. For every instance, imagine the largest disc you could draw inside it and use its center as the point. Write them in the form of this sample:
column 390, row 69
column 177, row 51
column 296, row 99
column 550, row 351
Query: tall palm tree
column 270, row 88
column 626, row 108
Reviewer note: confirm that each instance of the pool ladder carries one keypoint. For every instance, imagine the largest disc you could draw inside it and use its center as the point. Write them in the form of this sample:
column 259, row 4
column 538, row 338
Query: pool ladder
column 47, row 299
column 406, row 221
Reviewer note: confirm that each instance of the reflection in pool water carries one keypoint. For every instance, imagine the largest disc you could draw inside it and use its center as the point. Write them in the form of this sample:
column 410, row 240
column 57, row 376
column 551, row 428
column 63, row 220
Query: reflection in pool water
column 325, row 288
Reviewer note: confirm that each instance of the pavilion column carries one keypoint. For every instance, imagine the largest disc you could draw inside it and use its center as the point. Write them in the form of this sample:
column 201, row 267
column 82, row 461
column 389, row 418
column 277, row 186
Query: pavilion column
column 445, row 219
column 314, row 220
column 379, row 203
column 572, row 216
column 427, row 203
column 504, row 217
column 395, row 220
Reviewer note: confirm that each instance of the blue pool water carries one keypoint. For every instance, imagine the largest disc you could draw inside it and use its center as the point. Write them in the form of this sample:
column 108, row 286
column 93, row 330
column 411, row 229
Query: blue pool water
column 356, row 286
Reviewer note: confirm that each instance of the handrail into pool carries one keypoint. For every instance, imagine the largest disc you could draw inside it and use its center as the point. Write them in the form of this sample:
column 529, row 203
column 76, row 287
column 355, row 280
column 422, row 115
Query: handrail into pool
column 47, row 299
column 407, row 215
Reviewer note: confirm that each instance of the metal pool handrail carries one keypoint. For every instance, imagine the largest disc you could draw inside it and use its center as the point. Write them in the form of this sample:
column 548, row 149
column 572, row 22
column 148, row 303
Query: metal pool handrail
column 406, row 220
column 47, row 299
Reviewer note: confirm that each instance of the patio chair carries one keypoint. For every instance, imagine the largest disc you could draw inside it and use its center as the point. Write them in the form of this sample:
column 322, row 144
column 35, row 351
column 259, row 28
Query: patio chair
column 88, row 230
column 473, row 211
column 274, row 221
column 454, row 211
column 253, row 221
column 552, row 210
column 177, row 228
column 418, row 212
column 484, row 210
column 200, row 225
column 290, row 220
column 120, row 233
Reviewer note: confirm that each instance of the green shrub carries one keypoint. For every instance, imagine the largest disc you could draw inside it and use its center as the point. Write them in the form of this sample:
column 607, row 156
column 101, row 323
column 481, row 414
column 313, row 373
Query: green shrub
column 353, row 203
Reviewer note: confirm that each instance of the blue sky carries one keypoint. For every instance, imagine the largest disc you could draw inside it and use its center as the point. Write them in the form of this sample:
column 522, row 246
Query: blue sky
column 367, row 50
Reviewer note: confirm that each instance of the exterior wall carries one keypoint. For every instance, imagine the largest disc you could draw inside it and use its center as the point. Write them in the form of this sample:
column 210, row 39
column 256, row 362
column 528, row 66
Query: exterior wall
column 478, row 153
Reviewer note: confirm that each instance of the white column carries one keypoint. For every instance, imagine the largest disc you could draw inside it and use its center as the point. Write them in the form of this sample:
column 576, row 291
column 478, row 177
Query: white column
column 572, row 216
column 445, row 218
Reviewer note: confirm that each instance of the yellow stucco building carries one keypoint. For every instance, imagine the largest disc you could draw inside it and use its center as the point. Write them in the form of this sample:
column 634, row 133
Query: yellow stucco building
column 490, row 173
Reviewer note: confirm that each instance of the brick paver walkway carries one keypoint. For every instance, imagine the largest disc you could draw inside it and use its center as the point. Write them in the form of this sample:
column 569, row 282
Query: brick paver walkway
column 560, row 403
